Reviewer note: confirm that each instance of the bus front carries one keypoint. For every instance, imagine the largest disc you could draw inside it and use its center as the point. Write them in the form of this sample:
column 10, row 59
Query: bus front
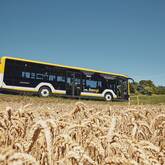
column 123, row 88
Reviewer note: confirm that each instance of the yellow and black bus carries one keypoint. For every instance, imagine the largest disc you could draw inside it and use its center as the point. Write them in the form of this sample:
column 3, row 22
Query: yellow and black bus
column 45, row 79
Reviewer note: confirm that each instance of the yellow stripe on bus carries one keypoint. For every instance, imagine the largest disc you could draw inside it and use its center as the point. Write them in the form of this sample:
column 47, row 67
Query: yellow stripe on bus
column 90, row 94
column 59, row 92
column 2, row 61
column 19, row 89
column 1, row 68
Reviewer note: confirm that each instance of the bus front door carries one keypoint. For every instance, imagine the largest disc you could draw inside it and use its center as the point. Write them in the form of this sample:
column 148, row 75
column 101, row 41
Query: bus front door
column 73, row 84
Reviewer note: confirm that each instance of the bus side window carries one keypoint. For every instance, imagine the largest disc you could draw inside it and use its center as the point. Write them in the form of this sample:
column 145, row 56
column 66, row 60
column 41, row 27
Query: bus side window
column 91, row 84
column 99, row 84
column 25, row 74
column 60, row 79
column 84, row 84
column 52, row 78
column 68, row 80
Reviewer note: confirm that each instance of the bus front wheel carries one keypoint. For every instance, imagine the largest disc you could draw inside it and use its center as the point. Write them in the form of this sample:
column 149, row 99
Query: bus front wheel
column 44, row 92
column 108, row 97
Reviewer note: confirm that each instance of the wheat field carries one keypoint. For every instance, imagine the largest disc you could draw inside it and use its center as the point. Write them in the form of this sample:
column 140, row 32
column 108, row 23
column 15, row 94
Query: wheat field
column 53, row 131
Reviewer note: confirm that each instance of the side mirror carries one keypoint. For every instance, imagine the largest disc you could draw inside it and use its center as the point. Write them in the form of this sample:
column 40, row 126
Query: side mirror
column 131, row 79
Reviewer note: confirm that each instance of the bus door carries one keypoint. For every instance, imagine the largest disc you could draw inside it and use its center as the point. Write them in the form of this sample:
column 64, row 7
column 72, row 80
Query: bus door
column 73, row 84
column 122, row 88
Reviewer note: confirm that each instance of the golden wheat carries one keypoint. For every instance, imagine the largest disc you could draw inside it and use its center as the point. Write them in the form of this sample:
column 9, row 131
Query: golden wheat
column 62, row 132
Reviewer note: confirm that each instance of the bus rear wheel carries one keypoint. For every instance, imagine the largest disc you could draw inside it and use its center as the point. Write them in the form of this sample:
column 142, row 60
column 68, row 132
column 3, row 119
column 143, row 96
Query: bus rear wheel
column 44, row 92
column 108, row 97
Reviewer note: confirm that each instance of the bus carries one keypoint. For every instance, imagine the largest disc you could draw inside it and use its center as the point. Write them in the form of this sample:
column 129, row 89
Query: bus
column 46, row 79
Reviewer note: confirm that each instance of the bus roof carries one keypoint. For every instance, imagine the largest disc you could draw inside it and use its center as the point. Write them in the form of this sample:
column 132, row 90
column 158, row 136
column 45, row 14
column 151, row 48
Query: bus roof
column 65, row 66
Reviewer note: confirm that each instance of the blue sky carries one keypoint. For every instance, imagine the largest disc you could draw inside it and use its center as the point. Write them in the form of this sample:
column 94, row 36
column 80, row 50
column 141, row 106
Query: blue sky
column 122, row 36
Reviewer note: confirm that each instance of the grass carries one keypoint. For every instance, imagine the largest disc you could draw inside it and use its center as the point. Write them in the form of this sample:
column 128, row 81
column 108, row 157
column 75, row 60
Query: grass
column 134, row 100
column 154, row 99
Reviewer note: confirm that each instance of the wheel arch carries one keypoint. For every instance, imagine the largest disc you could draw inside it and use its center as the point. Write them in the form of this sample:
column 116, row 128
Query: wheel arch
column 109, row 91
column 40, row 85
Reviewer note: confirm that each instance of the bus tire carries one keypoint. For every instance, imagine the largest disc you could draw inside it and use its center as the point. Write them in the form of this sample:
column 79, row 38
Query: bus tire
column 108, row 97
column 44, row 91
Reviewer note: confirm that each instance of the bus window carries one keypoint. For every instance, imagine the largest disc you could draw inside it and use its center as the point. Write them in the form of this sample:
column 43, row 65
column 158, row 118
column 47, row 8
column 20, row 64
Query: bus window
column 69, row 80
column 25, row 74
column 52, row 78
column 60, row 79
column 99, row 84
column 91, row 84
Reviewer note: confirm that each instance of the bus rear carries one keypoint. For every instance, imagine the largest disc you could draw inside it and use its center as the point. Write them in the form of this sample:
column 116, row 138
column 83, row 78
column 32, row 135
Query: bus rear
column 1, row 71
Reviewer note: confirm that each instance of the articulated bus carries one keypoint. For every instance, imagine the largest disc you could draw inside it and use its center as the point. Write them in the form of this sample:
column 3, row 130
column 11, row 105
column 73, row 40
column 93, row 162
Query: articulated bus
column 45, row 79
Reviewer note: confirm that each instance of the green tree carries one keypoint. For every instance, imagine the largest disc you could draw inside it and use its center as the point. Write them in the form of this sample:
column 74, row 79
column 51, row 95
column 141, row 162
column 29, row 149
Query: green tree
column 160, row 90
column 134, row 87
column 147, row 87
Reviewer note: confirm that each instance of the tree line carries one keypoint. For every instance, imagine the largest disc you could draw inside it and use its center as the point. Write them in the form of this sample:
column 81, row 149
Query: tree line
column 146, row 87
